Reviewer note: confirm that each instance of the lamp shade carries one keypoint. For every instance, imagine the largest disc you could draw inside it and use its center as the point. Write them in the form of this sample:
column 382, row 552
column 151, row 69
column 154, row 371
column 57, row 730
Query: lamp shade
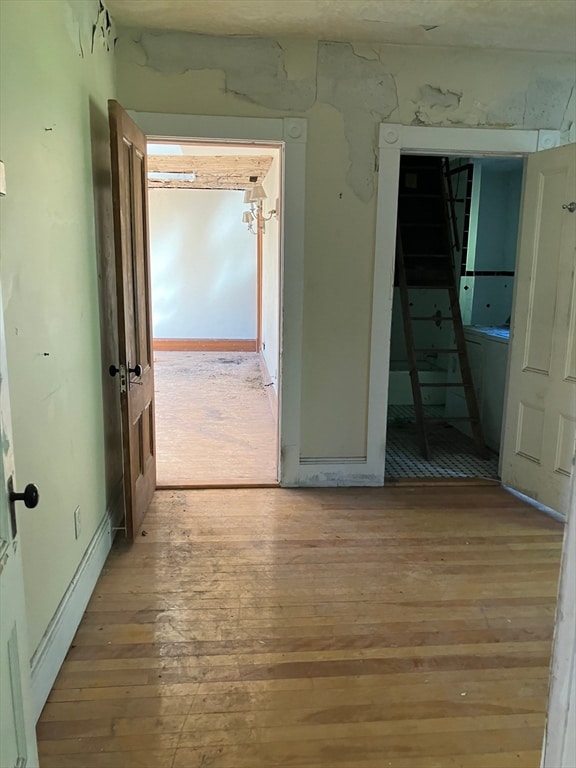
column 247, row 217
column 257, row 193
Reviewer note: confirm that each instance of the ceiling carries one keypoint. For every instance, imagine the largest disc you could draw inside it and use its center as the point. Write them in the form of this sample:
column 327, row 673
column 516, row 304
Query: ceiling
column 215, row 166
column 532, row 25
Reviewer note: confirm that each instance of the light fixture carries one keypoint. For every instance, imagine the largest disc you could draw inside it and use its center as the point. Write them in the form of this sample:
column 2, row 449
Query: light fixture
column 255, row 219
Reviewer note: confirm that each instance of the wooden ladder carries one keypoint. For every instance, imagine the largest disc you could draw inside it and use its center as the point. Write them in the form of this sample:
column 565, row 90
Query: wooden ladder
column 424, row 261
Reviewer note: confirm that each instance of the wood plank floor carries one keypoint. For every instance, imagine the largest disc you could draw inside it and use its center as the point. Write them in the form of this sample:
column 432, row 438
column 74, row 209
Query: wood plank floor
column 214, row 422
column 340, row 628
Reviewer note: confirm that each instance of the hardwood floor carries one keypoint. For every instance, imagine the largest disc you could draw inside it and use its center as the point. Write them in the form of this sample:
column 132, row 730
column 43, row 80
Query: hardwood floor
column 340, row 628
column 214, row 421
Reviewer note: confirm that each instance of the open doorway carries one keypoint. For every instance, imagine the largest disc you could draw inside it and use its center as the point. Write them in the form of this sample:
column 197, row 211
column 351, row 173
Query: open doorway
column 215, row 236
column 475, row 223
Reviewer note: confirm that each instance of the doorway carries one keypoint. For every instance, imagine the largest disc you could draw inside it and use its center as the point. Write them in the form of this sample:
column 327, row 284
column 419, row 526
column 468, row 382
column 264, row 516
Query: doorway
column 215, row 235
column 478, row 209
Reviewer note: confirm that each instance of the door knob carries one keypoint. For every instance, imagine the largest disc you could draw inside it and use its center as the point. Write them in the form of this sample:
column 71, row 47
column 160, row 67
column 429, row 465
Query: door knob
column 137, row 370
column 30, row 497
column 569, row 207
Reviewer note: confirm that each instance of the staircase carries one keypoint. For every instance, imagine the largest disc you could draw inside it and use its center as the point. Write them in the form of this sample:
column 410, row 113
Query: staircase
column 425, row 244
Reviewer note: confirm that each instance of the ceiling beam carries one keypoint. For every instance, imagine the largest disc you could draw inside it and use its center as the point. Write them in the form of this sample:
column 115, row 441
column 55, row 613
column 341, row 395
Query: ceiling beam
column 215, row 172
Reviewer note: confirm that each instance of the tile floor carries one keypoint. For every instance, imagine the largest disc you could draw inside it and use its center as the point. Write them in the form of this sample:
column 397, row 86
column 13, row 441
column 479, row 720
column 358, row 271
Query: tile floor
column 453, row 453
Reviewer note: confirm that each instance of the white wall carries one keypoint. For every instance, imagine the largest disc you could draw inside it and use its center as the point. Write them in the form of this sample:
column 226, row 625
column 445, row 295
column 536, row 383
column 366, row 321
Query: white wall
column 271, row 273
column 203, row 261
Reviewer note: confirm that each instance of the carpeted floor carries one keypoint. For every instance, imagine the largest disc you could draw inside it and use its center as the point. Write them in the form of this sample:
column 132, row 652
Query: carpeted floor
column 214, row 420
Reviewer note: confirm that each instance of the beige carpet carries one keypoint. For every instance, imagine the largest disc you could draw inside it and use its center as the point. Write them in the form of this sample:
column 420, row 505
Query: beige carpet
column 214, row 421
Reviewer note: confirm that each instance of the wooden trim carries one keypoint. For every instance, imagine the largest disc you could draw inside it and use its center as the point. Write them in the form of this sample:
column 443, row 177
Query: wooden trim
column 269, row 387
column 290, row 133
column 211, row 486
column 205, row 345
column 259, row 258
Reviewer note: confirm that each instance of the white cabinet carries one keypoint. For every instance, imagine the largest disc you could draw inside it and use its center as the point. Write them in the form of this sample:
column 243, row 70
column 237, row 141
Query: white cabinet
column 488, row 355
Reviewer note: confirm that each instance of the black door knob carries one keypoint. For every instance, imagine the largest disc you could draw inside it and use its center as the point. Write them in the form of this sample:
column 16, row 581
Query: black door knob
column 30, row 497
column 137, row 370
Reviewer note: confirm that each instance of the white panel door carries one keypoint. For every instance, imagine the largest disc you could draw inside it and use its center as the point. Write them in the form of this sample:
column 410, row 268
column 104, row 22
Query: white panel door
column 17, row 738
column 540, row 426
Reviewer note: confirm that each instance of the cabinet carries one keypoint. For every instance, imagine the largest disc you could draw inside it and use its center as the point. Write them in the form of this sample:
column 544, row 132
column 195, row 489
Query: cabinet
column 488, row 355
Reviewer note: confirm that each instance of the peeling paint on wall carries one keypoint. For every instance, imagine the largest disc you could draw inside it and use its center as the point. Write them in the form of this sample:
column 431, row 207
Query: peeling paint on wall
column 546, row 102
column 365, row 93
column 360, row 88
column 254, row 67
column 89, row 25
column 362, row 83
column 544, row 105
column 436, row 105
column 568, row 127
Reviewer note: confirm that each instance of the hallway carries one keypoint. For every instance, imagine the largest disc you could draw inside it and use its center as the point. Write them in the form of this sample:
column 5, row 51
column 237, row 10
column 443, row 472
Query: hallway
column 349, row 628
column 214, row 420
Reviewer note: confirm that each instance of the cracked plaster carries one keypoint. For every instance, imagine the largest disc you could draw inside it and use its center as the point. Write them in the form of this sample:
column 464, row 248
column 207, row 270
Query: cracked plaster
column 360, row 88
column 436, row 104
column 89, row 25
column 254, row 68
column 355, row 80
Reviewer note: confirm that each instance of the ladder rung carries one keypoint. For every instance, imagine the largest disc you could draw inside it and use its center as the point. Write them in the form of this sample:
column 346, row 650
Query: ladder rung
column 423, row 259
column 431, row 317
column 448, row 384
column 429, row 287
column 460, row 418
column 449, row 418
column 435, row 349
column 419, row 225
column 437, row 195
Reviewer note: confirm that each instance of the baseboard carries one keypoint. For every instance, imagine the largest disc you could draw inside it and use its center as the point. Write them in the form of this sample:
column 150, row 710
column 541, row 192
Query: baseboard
column 536, row 504
column 51, row 652
column 205, row 345
column 269, row 386
column 328, row 472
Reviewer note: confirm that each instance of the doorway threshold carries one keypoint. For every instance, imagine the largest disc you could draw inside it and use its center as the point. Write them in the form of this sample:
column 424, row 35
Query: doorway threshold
column 216, row 486
column 440, row 482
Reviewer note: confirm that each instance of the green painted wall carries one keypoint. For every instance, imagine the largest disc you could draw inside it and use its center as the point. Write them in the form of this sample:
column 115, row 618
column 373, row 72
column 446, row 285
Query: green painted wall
column 55, row 147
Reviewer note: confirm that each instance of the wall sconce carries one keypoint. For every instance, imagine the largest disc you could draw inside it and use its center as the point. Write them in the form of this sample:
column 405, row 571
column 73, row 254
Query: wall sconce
column 254, row 197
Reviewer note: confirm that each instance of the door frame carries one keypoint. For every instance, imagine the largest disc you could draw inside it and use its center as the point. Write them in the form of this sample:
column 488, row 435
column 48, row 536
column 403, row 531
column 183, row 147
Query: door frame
column 394, row 140
column 291, row 132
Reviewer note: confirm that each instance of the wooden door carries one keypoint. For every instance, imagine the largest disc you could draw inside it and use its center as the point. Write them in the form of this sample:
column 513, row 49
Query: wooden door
column 134, row 367
column 540, row 426
column 17, row 737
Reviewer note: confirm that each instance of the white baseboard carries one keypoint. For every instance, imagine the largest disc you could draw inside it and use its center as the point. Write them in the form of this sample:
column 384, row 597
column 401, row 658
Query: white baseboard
column 333, row 472
column 51, row 652
column 536, row 504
